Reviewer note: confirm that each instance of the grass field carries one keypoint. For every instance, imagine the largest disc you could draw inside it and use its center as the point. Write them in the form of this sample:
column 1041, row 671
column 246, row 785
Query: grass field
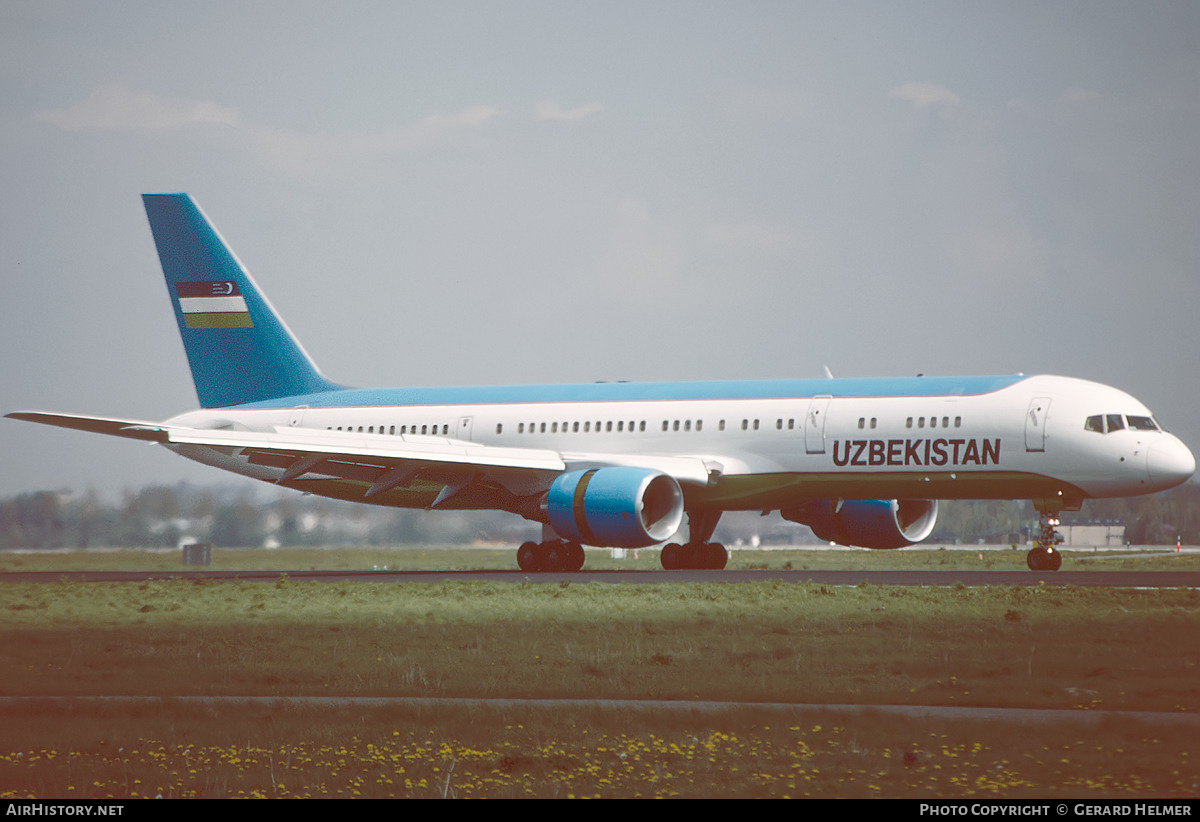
column 748, row 644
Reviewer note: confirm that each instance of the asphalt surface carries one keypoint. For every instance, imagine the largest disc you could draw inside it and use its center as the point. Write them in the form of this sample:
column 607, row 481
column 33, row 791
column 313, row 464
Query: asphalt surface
column 1038, row 716
column 1100, row 579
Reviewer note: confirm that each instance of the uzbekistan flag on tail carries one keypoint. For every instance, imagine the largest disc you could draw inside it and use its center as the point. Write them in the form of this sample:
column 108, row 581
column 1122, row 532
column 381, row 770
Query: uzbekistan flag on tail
column 212, row 304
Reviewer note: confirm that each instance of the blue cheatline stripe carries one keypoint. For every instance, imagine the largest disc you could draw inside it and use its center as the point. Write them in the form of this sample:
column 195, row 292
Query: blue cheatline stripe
column 646, row 392
column 245, row 356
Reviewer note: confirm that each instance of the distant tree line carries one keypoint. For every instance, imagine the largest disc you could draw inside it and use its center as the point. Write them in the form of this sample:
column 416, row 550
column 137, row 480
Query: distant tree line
column 233, row 516
column 228, row 517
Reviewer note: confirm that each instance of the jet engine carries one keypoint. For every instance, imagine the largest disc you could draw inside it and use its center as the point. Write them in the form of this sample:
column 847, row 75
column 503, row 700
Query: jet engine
column 615, row 506
column 871, row 523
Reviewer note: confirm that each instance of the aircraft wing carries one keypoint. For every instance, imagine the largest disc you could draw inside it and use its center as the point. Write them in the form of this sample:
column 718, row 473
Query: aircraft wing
column 379, row 463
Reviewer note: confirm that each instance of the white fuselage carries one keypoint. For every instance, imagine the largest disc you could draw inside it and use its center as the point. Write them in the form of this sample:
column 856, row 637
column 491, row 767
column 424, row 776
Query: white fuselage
column 1025, row 440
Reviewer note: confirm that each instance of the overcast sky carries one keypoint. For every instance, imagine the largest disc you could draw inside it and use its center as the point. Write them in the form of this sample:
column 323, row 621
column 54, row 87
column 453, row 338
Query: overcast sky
column 439, row 193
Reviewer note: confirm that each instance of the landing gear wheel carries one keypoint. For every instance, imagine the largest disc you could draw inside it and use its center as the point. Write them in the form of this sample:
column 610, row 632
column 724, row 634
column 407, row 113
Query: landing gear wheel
column 714, row 556
column 1043, row 559
column 1055, row 560
column 573, row 556
column 697, row 553
column 555, row 555
column 528, row 557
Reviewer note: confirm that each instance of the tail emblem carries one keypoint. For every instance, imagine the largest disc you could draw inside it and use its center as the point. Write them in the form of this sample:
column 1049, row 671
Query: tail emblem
column 213, row 304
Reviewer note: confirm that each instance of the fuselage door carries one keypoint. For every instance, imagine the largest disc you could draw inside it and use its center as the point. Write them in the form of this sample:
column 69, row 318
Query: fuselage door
column 296, row 416
column 814, row 425
column 464, row 428
column 1035, row 424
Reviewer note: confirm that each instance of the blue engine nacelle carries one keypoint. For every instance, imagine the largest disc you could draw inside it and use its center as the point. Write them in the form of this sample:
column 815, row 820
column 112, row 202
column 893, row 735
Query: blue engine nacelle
column 615, row 506
column 871, row 523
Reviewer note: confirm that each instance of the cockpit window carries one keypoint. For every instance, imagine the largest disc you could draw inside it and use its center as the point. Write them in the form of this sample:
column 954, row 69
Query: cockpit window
column 1107, row 423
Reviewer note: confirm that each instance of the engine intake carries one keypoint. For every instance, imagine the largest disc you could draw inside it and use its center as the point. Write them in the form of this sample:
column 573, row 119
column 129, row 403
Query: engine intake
column 872, row 523
column 615, row 506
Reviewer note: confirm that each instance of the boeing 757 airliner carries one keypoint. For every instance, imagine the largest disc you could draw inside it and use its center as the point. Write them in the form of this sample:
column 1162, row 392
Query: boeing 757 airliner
column 861, row 461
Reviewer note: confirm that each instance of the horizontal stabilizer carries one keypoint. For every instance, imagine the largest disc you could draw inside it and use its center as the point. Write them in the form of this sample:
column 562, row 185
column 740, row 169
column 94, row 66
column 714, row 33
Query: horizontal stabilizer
column 132, row 429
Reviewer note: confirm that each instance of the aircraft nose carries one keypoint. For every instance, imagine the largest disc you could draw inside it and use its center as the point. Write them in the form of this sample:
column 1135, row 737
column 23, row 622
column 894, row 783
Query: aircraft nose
column 1169, row 462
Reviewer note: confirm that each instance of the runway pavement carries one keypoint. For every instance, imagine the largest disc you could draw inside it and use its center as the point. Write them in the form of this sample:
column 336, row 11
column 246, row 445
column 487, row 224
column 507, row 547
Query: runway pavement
column 1039, row 716
column 1102, row 579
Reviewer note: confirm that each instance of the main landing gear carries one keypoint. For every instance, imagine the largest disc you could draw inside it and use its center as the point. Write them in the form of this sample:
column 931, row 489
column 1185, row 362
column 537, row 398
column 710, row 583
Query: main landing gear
column 697, row 552
column 1045, row 556
column 551, row 555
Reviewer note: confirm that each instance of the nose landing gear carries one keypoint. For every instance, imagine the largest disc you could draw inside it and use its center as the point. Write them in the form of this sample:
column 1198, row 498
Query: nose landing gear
column 1045, row 556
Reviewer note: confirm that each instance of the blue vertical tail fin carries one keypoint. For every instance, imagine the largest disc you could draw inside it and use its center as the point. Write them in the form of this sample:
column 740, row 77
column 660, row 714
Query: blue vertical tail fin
column 238, row 347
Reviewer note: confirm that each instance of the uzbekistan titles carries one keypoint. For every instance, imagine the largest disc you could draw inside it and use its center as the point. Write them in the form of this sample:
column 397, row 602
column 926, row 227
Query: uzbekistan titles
column 917, row 452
